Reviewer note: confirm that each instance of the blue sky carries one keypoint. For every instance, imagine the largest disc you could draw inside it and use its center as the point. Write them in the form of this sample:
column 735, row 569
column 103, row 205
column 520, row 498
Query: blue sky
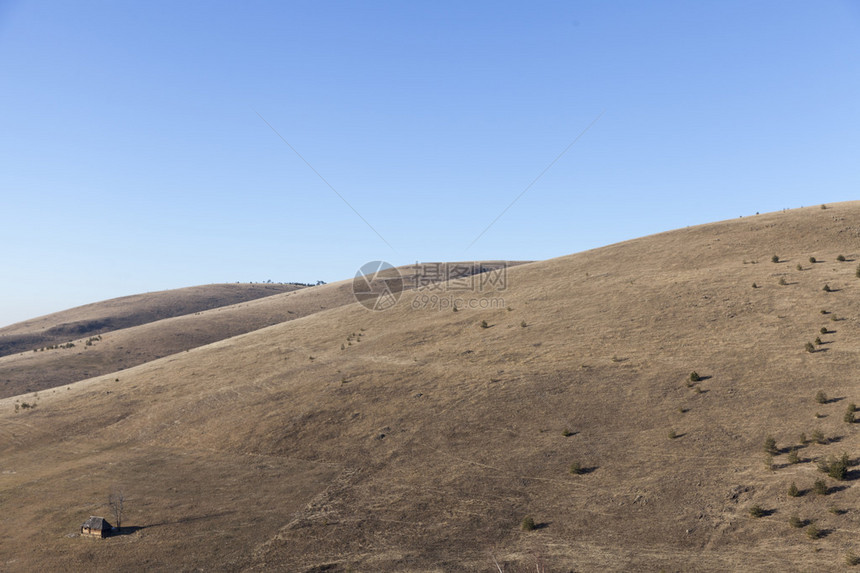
column 133, row 159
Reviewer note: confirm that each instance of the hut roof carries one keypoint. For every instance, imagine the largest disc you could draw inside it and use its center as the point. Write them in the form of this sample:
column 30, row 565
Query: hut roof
column 96, row 523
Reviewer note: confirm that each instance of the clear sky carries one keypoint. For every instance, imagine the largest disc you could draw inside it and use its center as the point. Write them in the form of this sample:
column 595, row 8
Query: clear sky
column 133, row 156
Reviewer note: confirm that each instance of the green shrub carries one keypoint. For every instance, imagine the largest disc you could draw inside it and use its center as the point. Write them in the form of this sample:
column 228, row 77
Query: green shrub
column 576, row 469
column 782, row 281
column 774, row 259
column 852, row 407
column 484, row 324
column 528, row 524
column 566, row 433
column 813, row 532
column 857, row 272
column 672, row 434
column 812, row 260
column 823, row 330
column 818, row 437
column 754, row 286
column 810, row 347
column 523, row 324
column 820, row 487
column 793, row 457
column 770, row 446
column 851, row 560
column 826, row 288
column 821, row 397
column 796, row 522
column 802, row 438
column 793, row 491
column 757, row 511
column 694, row 376
column 799, row 267
column 817, row 341
column 848, row 418
column 840, row 258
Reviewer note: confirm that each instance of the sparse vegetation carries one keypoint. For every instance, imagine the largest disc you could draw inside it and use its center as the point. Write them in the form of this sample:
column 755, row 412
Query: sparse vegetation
column 840, row 258
column 754, row 285
column 810, row 347
column 672, row 434
column 820, row 487
column 576, row 469
column 821, row 397
column 818, row 437
column 818, row 341
column 827, row 288
column 484, row 324
column 812, row 260
column 823, row 330
column 770, row 446
column 793, row 491
column 848, row 418
column 813, row 532
column 694, row 376
column 774, row 259
column 799, row 267
column 796, row 522
column 528, row 524
column 793, row 456
column 782, row 281
column 523, row 324
column 757, row 511
column 851, row 559
column 567, row 433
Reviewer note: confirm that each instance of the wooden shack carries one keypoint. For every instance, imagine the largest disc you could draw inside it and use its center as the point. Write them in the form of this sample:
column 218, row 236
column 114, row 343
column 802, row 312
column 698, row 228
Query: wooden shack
column 96, row 527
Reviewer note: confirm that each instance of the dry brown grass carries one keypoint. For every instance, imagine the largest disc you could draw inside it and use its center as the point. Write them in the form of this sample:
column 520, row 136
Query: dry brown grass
column 423, row 447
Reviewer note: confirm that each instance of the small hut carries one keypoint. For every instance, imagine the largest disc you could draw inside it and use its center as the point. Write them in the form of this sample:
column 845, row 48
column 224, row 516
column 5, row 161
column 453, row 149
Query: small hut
column 96, row 527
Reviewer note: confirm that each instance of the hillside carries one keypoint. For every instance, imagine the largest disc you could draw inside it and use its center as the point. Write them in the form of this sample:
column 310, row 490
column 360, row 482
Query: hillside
column 417, row 439
column 125, row 312
column 117, row 350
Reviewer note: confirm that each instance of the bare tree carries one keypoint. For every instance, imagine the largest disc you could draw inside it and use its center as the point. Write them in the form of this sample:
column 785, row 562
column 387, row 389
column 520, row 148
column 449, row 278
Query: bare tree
column 116, row 501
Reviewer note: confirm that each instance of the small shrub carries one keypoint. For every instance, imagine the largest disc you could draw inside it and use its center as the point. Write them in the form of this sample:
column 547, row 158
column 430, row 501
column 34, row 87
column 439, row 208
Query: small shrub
column 694, row 376
column 851, row 559
column 823, row 330
column 754, row 286
column 820, row 487
column 757, row 511
column 852, row 407
column 566, row 433
column 799, row 267
column 818, row 341
column 455, row 309
column 821, row 397
column 823, row 311
column 848, row 418
column 796, row 522
column 793, row 457
column 827, row 288
column 523, row 324
column 576, row 469
column 768, row 462
column 818, row 437
column 802, row 438
column 782, row 281
column 484, row 324
column 840, row 258
column 857, row 272
column 813, row 532
column 770, row 446
column 793, row 491
column 774, row 259
column 823, row 206
column 528, row 524
column 672, row 434
column 812, row 260
column 810, row 347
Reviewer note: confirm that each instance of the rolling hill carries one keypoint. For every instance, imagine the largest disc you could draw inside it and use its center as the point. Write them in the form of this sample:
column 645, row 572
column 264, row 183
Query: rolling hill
column 419, row 438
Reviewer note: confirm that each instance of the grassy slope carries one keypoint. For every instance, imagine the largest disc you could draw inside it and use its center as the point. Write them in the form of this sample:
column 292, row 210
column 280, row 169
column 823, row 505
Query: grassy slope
column 422, row 447
column 150, row 337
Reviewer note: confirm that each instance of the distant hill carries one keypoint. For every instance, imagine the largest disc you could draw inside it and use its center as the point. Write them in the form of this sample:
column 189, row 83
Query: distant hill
column 125, row 312
column 420, row 438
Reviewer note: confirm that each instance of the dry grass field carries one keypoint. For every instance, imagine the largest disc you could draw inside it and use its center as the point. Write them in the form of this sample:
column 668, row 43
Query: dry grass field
column 418, row 439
